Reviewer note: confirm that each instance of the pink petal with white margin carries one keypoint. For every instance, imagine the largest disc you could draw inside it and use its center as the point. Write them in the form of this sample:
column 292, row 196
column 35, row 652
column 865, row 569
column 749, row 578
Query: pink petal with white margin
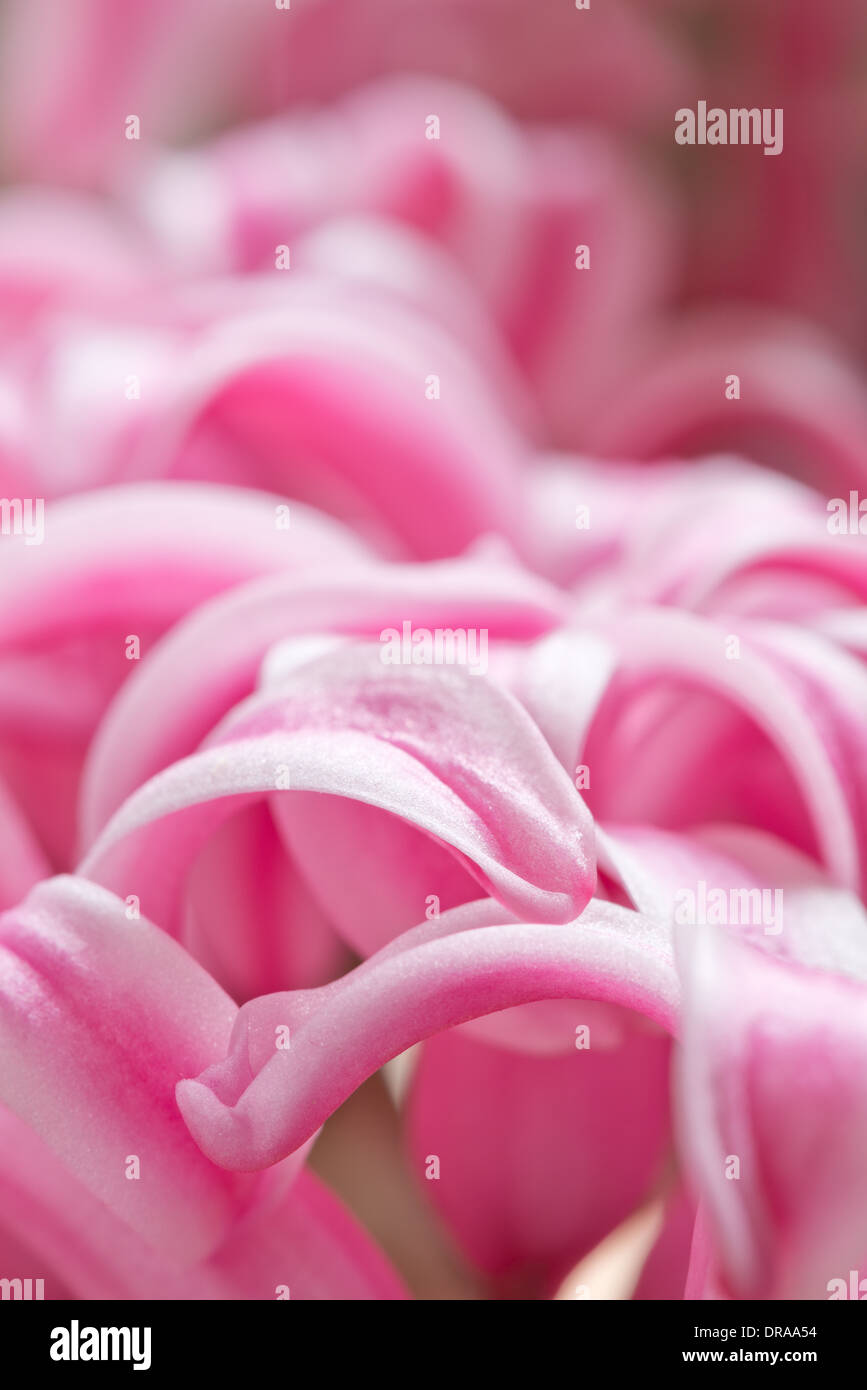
column 296, row 391
column 370, row 255
column 618, row 498
column 100, row 1015
column 260, row 1105
column 168, row 706
column 722, row 513
column 51, row 1225
column 103, row 255
column 135, row 559
column 832, row 685
column 772, row 1071
column 805, row 413
column 785, row 905
column 686, row 735
column 734, row 539
column 84, row 70
column 119, row 562
column 392, row 737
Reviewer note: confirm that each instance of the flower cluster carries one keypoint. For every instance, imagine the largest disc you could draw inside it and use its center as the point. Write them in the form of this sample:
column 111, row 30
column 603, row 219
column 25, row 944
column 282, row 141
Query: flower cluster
column 433, row 759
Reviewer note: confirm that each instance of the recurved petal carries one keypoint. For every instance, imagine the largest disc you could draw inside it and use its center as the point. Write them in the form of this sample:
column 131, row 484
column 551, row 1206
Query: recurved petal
column 262, row 1102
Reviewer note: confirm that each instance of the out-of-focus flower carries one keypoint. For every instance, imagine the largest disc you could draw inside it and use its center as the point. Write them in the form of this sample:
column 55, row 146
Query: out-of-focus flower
column 87, row 70
column 256, row 290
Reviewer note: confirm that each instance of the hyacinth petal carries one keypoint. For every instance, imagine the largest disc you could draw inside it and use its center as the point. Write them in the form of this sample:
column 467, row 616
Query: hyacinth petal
column 561, row 681
column 103, row 258
column 389, row 873
column 102, row 62
column 170, row 708
column 730, row 538
column 758, row 1032
column 78, row 612
column 360, row 405
column 710, row 737
column 52, row 1227
column 129, row 561
column 807, row 408
column 101, row 1008
column 188, row 539
column 539, row 1157
column 310, row 1247
column 392, row 737
column 775, row 898
column 260, row 1105
column 249, row 917
column 832, row 685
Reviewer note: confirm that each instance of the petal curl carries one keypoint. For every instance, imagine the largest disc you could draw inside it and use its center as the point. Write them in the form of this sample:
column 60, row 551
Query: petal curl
column 260, row 1104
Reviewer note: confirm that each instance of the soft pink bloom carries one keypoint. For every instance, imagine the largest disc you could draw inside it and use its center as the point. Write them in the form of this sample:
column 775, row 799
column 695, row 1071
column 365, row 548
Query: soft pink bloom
column 294, row 382
column 203, row 795
column 100, row 1017
column 87, row 70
